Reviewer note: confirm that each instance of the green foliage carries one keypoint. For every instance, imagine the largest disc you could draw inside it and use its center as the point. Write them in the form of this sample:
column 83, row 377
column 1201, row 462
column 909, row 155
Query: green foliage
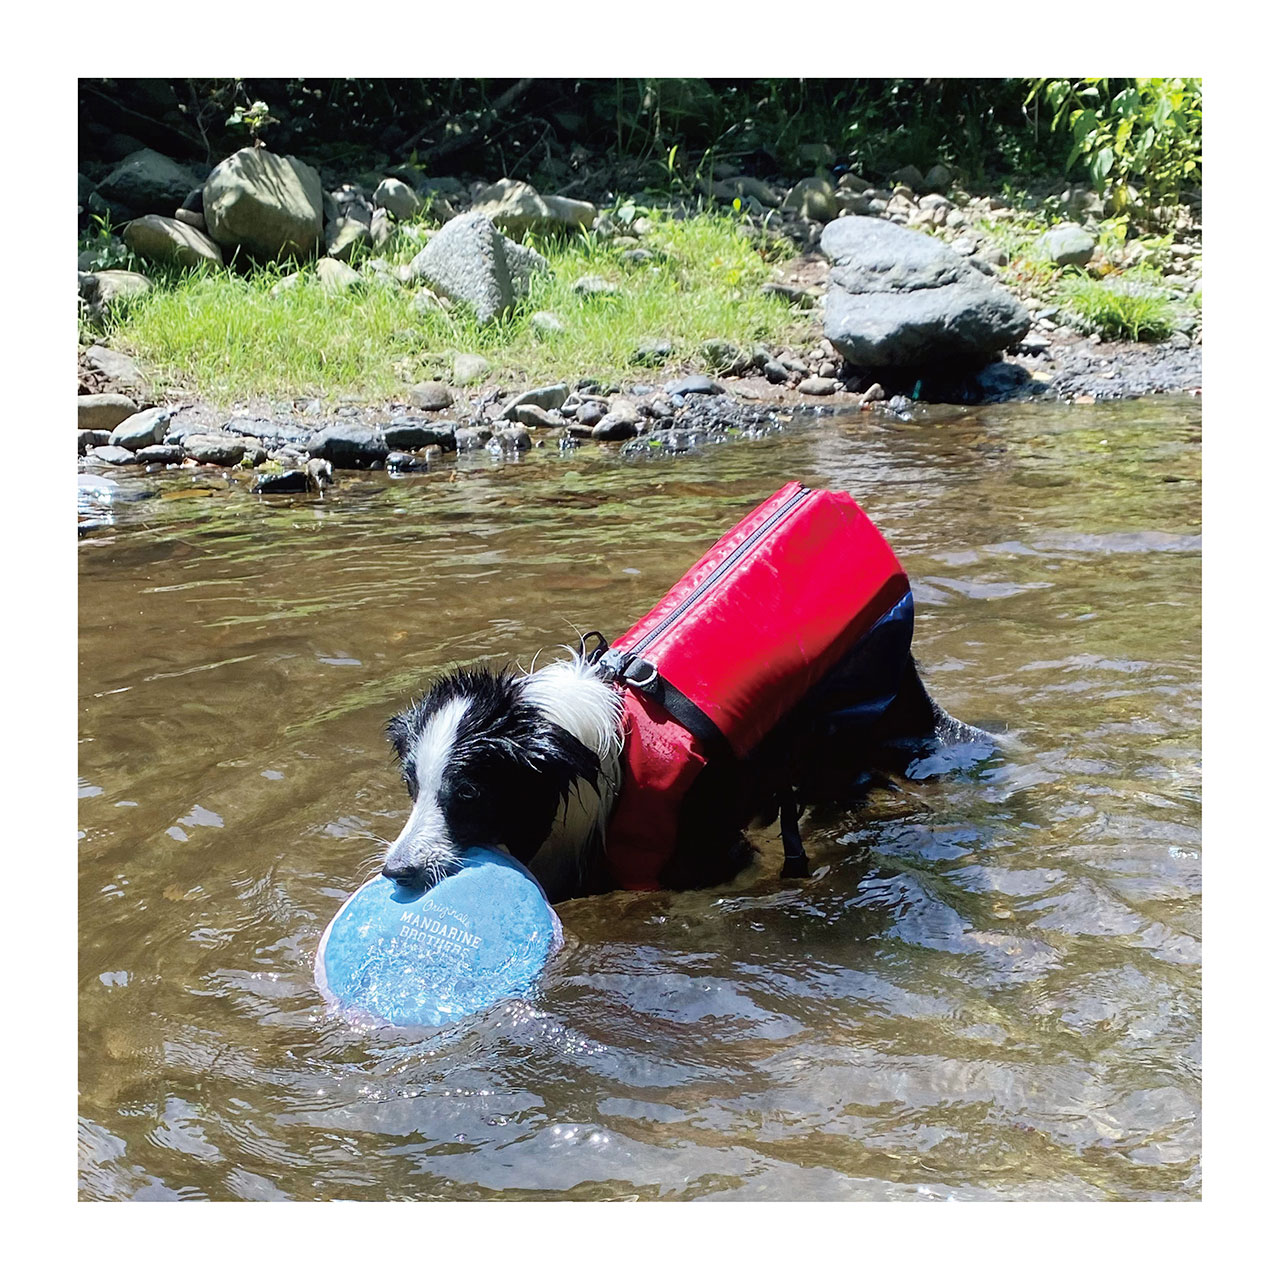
column 1132, row 309
column 108, row 250
column 255, row 117
column 1143, row 133
column 674, row 131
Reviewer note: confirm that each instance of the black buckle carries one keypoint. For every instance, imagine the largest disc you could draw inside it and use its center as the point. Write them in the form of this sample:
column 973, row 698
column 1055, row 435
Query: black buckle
column 598, row 650
column 629, row 668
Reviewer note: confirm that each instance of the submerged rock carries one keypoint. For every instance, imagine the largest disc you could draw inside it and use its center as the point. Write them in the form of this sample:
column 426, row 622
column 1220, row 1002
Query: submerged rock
column 291, row 481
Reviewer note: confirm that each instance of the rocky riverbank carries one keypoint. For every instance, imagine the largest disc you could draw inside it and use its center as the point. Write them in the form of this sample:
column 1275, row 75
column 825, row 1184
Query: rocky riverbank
column 913, row 296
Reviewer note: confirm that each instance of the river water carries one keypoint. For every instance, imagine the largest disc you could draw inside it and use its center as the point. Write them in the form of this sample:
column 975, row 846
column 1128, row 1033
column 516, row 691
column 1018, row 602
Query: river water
column 989, row 989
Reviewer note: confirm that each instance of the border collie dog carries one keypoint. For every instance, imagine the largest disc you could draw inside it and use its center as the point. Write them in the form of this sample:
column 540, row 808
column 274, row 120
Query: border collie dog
column 531, row 764
column 525, row 763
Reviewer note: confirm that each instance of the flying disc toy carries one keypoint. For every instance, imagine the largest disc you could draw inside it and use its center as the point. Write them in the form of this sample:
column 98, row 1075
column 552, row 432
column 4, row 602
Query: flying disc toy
column 424, row 958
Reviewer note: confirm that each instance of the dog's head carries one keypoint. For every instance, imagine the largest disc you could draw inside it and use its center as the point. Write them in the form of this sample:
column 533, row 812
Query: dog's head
column 490, row 759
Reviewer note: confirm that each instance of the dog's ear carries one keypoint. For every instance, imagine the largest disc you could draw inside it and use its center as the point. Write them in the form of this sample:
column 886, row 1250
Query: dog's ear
column 400, row 730
column 558, row 754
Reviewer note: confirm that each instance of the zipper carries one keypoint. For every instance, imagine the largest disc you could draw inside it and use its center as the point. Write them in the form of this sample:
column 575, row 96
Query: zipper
column 734, row 559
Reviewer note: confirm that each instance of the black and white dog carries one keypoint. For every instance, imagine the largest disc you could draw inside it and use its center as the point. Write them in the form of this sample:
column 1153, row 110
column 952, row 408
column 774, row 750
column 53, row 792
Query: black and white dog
column 531, row 764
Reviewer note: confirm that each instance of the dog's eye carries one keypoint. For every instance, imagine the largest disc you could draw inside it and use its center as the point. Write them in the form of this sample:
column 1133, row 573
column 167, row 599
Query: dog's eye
column 466, row 791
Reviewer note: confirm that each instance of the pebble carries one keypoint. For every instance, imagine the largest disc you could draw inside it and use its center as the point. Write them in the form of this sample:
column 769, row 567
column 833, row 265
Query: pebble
column 818, row 386
column 590, row 413
column 430, row 395
column 103, row 412
column 113, row 454
column 614, row 427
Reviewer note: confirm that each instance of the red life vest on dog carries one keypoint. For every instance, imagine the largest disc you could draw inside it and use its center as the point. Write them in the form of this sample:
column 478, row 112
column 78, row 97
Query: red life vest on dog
column 734, row 645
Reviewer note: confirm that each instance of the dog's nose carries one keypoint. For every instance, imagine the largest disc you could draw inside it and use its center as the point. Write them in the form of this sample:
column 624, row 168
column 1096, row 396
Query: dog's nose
column 407, row 876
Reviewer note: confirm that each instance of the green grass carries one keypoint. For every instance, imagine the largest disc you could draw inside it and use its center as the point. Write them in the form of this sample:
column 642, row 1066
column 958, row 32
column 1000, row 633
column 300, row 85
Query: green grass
column 1129, row 309
column 223, row 337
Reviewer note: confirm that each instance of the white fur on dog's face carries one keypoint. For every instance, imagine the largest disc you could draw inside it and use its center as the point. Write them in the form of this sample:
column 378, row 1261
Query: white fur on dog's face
column 522, row 763
column 425, row 836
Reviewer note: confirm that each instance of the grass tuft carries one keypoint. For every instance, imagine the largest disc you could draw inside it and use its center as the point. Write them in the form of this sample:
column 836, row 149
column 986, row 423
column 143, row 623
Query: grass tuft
column 1131, row 309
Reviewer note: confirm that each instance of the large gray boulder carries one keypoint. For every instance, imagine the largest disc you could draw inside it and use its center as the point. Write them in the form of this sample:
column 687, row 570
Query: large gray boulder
column 104, row 411
column 471, row 261
column 271, row 206
column 160, row 239
column 899, row 299
column 147, row 182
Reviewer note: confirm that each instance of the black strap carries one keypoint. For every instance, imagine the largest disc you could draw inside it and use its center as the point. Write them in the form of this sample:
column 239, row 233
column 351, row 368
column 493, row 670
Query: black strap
column 795, row 862
column 643, row 676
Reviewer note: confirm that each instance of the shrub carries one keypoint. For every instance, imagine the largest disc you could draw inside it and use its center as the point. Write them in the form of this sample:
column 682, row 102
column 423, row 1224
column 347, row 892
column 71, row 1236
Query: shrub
column 1143, row 133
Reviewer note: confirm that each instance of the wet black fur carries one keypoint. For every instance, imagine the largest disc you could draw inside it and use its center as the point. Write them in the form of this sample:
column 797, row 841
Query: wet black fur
column 510, row 768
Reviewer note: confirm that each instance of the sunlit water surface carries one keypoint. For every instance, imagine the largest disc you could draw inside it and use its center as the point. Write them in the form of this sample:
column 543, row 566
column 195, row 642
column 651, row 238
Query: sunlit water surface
column 990, row 988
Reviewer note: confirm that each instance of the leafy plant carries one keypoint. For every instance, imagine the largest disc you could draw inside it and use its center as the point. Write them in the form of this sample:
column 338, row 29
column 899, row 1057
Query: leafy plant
column 1143, row 133
column 108, row 250
column 255, row 117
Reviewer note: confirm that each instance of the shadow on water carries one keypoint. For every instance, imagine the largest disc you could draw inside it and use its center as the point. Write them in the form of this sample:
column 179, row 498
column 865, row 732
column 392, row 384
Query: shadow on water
column 990, row 987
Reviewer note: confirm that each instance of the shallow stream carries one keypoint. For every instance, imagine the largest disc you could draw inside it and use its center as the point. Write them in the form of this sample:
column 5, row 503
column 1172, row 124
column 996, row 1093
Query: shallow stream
column 990, row 987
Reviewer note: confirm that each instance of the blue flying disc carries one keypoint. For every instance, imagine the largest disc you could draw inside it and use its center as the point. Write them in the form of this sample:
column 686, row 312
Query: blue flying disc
column 418, row 958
